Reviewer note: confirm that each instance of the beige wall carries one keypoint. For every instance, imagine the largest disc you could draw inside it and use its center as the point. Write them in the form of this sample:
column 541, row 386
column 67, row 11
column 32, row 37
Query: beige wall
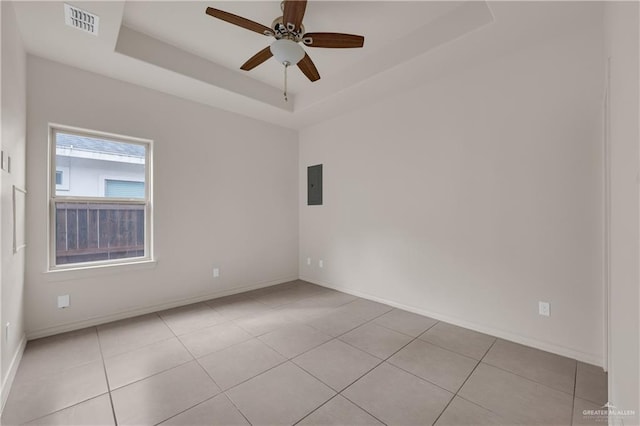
column 473, row 197
column 13, row 121
column 225, row 195
column 622, row 49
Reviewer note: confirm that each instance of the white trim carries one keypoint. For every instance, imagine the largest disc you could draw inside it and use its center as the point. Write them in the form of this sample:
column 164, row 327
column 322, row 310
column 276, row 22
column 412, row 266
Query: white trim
column 94, row 270
column 53, row 197
column 534, row 343
column 606, row 153
column 22, row 244
column 7, row 381
column 103, row 319
column 103, row 135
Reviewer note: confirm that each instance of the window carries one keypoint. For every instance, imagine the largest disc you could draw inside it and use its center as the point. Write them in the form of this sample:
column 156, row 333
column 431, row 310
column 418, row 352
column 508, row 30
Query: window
column 100, row 196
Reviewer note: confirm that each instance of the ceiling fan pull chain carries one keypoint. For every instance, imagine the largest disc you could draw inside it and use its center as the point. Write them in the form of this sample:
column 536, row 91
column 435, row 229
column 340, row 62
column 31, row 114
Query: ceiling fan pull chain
column 286, row 65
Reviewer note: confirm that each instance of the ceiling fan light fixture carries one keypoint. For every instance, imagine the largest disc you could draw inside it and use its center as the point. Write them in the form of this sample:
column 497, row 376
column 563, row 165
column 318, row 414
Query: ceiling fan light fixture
column 287, row 51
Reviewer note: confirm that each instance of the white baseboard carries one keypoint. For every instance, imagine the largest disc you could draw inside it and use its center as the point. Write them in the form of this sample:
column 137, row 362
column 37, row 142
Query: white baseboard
column 90, row 322
column 11, row 373
column 534, row 343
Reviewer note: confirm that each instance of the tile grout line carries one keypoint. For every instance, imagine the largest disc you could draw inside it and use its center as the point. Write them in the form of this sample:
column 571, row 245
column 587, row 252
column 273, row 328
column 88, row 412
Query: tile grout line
column 291, row 361
column 139, row 348
column 205, row 372
column 257, row 299
column 224, row 391
column 196, row 359
column 406, row 371
column 235, row 406
column 463, row 383
column 526, row 378
column 339, row 393
column 354, row 403
column 246, row 380
column 315, row 409
column 62, row 409
column 481, row 362
column 145, row 346
column 186, row 409
column 382, row 361
column 286, row 359
column 153, row 375
column 344, row 388
column 279, row 308
column 84, row 400
column 519, row 375
column 320, row 331
column 290, row 358
column 253, row 377
column 350, row 383
column 106, row 377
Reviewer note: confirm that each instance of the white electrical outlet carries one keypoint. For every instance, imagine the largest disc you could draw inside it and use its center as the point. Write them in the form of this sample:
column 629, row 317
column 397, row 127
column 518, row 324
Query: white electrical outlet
column 321, row 263
column 216, row 272
column 309, row 261
column 543, row 308
column 63, row 301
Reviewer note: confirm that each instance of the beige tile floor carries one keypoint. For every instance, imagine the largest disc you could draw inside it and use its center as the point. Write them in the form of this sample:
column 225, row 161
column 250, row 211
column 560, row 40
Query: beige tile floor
column 295, row 353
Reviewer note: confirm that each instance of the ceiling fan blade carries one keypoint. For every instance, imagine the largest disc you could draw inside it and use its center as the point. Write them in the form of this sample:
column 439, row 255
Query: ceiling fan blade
column 333, row 40
column 257, row 59
column 293, row 13
column 308, row 68
column 239, row 21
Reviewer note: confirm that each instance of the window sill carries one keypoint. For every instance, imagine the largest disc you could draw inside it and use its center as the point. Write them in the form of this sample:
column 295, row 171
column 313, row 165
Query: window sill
column 80, row 272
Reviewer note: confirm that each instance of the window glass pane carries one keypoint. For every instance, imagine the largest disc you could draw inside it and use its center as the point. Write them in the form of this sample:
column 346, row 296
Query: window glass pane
column 88, row 232
column 90, row 163
column 58, row 178
column 123, row 189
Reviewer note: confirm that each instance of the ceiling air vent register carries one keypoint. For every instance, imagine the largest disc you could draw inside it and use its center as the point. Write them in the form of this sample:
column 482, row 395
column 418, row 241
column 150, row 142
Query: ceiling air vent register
column 80, row 19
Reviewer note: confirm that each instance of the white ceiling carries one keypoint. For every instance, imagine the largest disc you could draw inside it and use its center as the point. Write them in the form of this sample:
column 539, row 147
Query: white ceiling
column 186, row 26
column 176, row 48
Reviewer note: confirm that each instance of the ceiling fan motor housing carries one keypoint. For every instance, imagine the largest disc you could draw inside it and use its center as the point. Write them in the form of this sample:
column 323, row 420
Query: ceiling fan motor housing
column 281, row 31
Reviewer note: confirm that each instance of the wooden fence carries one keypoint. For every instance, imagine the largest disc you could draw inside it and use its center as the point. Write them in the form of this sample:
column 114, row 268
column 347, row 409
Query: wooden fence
column 88, row 232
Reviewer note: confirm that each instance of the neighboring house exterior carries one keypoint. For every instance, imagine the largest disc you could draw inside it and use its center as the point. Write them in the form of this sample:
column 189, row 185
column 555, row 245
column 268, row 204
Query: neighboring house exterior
column 92, row 167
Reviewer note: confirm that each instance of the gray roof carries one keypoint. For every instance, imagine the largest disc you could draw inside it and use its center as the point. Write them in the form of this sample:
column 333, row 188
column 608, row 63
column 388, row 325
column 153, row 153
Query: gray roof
column 99, row 145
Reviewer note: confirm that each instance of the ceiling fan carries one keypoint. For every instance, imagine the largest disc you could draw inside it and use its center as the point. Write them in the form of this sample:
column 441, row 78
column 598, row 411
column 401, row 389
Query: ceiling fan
column 289, row 32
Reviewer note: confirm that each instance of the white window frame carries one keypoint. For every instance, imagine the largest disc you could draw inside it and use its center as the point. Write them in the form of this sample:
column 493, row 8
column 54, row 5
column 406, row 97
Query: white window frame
column 54, row 198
